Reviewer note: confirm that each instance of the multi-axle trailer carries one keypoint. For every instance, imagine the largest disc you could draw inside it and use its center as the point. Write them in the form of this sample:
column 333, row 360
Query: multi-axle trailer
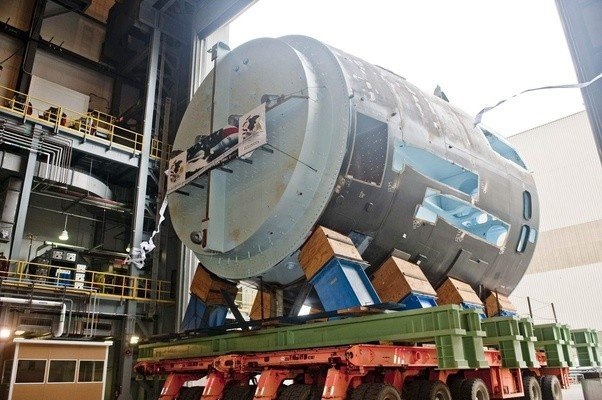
column 343, row 185
column 438, row 353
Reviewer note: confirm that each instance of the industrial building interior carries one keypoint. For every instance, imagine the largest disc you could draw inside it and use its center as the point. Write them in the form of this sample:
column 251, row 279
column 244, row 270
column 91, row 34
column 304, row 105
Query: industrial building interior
column 91, row 95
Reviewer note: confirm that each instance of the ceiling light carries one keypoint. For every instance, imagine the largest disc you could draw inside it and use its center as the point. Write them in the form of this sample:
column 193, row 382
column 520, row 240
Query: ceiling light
column 4, row 333
column 64, row 235
column 19, row 332
column 134, row 339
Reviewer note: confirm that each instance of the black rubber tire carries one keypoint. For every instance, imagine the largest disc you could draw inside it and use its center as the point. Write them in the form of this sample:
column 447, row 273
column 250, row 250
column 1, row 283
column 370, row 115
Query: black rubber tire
column 434, row 390
column 190, row 393
column 532, row 388
column 551, row 389
column 359, row 392
column 474, row 389
column 296, row 391
column 380, row 391
column 317, row 392
column 236, row 392
column 455, row 387
column 411, row 390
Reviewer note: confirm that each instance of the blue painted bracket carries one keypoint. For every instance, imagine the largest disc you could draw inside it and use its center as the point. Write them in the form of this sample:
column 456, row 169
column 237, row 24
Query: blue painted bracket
column 342, row 283
column 415, row 301
column 195, row 318
column 476, row 307
column 506, row 313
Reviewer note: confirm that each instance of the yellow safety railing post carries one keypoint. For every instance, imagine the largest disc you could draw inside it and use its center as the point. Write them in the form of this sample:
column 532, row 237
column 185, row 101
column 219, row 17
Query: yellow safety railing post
column 107, row 285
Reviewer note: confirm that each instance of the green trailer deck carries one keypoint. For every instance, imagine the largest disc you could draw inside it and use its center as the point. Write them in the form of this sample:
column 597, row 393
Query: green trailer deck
column 455, row 332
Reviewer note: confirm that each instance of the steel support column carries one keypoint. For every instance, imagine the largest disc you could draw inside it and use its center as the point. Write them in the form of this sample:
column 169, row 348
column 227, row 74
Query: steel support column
column 19, row 229
column 583, row 37
column 125, row 377
column 31, row 47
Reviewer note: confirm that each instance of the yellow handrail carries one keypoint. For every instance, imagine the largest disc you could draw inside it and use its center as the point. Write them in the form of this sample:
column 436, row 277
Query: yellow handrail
column 104, row 284
column 91, row 126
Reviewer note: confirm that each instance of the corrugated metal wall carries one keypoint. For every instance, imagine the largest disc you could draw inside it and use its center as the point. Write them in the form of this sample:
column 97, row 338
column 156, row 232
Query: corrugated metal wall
column 567, row 265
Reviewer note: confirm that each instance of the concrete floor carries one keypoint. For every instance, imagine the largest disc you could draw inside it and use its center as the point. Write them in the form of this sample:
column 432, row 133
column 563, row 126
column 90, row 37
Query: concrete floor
column 574, row 393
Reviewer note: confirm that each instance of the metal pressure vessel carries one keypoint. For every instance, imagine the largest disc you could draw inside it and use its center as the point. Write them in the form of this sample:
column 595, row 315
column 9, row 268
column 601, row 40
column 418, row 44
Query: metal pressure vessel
column 360, row 150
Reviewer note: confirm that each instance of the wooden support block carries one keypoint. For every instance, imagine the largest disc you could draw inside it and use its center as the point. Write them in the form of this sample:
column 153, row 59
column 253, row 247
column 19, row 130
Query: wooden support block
column 322, row 245
column 453, row 291
column 396, row 278
column 255, row 313
column 493, row 308
column 207, row 287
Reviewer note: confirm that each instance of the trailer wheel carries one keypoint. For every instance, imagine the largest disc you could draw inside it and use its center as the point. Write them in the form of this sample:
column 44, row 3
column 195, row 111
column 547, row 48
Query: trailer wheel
column 532, row 388
column 550, row 388
column 316, row 391
column 236, row 392
column 359, row 392
column 434, row 390
column 296, row 391
column 190, row 393
column 411, row 390
column 378, row 391
column 474, row 389
column 455, row 387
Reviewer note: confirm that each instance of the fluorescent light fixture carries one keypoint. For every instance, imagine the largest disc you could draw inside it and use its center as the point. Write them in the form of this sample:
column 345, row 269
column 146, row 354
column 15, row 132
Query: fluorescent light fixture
column 19, row 332
column 4, row 333
column 134, row 339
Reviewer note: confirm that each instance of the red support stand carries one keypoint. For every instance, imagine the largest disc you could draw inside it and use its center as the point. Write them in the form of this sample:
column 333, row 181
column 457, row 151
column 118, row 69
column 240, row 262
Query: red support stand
column 174, row 383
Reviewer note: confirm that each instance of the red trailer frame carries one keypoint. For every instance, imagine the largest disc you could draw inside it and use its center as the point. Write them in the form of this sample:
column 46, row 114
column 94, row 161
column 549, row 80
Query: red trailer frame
column 337, row 370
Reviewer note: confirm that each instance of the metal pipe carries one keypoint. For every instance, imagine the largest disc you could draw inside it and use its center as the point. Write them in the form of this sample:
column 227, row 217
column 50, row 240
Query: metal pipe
column 45, row 146
column 28, row 143
column 21, row 142
column 58, row 170
column 64, row 299
column 67, row 246
column 98, row 202
column 45, row 303
column 65, row 213
column 68, row 145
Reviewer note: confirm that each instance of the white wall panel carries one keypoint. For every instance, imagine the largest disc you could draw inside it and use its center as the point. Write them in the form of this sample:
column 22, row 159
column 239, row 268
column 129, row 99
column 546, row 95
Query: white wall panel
column 74, row 77
column 576, row 294
column 566, row 168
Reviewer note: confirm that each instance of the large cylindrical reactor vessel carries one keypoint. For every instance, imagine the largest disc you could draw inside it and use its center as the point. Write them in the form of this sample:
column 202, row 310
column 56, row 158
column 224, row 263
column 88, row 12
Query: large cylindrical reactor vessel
column 358, row 149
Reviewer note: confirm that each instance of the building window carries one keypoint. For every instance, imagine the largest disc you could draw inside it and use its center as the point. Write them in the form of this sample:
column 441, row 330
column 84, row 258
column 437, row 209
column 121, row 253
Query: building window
column 369, row 150
column 523, row 239
column 527, row 205
column 61, row 371
column 90, row 371
column 30, row 371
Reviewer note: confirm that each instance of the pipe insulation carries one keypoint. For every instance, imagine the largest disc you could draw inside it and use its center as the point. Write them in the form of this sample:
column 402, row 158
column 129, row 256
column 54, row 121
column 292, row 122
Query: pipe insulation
column 43, row 303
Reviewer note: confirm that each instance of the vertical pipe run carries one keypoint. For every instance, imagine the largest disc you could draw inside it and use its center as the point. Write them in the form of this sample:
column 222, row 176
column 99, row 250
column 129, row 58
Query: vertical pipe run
column 530, row 309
